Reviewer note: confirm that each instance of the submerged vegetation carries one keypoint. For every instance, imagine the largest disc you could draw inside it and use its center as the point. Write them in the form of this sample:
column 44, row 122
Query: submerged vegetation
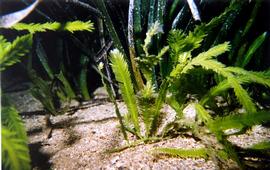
column 187, row 64
column 15, row 152
column 166, row 53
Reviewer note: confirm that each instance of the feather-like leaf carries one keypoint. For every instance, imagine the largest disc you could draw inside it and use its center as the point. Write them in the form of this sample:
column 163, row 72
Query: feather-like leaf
column 202, row 113
column 214, row 51
column 179, row 42
column 251, row 76
column 239, row 121
column 55, row 26
column 183, row 153
column 146, row 100
column 122, row 75
column 15, row 152
column 242, row 95
column 11, row 119
column 11, row 53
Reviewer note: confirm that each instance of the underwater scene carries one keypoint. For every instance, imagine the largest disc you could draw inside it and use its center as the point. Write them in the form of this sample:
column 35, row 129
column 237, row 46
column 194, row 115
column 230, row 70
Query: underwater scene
column 135, row 84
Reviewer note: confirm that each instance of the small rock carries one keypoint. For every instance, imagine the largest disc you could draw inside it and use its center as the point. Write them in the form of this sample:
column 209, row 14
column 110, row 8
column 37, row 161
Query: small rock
column 190, row 112
column 231, row 131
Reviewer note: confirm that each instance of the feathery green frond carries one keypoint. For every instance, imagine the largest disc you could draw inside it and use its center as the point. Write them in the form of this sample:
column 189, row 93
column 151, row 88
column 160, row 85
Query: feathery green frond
column 203, row 115
column 11, row 53
column 162, row 52
column 216, row 21
column 179, row 42
column 178, row 69
column 3, row 43
column 213, row 65
column 15, row 152
column 148, row 62
column 122, row 75
column 214, row 51
column 146, row 100
column 55, row 26
column 78, row 26
column 182, row 153
column 251, row 76
column 148, row 91
column 112, row 98
column 10, row 118
column 205, row 60
column 239, row 121
column 242, row 95
column 154, row 30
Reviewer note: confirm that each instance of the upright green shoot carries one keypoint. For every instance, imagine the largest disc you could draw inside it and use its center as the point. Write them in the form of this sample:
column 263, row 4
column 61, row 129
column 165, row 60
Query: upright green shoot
column 122, row 75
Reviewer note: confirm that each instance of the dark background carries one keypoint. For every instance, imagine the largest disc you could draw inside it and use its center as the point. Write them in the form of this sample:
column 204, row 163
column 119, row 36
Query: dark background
column 15, row 77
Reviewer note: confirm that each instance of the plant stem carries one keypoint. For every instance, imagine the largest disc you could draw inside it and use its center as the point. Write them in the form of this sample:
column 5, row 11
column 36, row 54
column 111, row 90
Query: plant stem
column 132, row 53
column 105, row 57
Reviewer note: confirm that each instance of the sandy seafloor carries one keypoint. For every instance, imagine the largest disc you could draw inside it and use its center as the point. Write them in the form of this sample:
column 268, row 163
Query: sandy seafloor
column 82, row 141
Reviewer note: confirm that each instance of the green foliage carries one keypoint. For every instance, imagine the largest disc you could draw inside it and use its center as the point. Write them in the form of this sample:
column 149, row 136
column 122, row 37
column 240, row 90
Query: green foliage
column 243, row 77
column 265, row 145
column 57, row 85
column 83, row 78
column 182, row 153
column 190, row 68
column 242, row 95
column 10, row 118
column 41, row 90
column 203, row 114
column 147, row 62
column 146, row 102
column 120, row 69
column 181, row 48
column 158, row 105
column 11, row 53
column 55, row 26
column 15, row 152
column 179, row 42
column 206, row 60
column 243, row 61
column 66, row 87
column 112, row 97
column 41, row 54
column 154, row 30
column 239, row 121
